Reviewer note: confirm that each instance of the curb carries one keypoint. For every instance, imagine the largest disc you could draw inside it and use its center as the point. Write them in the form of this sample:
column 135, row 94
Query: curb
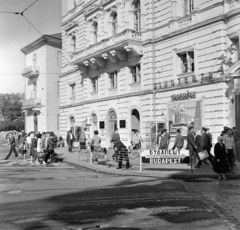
column 162, row 174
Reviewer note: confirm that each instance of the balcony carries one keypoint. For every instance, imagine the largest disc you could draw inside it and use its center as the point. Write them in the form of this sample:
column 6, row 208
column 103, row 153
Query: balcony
column 32, row 103
column 121, row 47
column 31, row 71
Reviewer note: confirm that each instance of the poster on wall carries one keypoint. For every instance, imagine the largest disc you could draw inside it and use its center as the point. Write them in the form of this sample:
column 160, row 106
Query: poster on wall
column 182, row 114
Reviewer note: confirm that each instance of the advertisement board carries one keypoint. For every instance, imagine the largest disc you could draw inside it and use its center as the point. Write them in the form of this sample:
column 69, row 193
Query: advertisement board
column 182, row 114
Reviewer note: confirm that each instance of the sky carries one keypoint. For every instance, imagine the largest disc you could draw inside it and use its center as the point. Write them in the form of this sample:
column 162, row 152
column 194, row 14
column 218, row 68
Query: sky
column 16, row 32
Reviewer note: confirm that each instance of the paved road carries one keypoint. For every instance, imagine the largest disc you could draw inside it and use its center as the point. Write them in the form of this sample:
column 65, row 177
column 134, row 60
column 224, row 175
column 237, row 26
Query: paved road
column 63, row 196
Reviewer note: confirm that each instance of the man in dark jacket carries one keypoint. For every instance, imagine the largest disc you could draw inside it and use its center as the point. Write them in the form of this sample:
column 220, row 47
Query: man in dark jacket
column 191, row 146
column 179, row 140
column 122, row 151
column 50, row 146
column 70, row 140
column 12, row 143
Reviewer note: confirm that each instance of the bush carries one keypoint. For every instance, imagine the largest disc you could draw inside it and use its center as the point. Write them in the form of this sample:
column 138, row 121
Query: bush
column 11, row 125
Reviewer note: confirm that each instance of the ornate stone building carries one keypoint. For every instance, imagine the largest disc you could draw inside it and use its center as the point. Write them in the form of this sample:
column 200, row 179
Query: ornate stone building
column 129, row 62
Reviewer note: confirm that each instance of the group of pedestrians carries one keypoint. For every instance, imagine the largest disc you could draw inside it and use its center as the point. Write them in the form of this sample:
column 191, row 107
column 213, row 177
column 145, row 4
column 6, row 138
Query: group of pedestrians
column 39, row 146
column 226, row 150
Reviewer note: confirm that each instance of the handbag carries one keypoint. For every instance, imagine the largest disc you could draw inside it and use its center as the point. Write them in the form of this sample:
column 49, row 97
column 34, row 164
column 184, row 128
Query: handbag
column 203, row 154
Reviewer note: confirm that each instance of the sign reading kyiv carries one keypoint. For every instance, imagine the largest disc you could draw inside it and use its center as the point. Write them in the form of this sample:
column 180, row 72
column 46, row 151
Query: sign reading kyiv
column 164, row 156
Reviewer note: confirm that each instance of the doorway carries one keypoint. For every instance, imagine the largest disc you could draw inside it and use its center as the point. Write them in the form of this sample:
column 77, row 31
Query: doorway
column 112, row 123
column 35, row 122
column 135, row 121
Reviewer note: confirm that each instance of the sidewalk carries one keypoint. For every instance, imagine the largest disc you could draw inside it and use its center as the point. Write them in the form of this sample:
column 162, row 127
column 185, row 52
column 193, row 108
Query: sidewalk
column 148, row 170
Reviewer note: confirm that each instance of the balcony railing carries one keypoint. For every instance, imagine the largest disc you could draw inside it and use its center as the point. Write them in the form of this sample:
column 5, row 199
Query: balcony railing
column 31, row 103
column 127, row 34
column 31, row 71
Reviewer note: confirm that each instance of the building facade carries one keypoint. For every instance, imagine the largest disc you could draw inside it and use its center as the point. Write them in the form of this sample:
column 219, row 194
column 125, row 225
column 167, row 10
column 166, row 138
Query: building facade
column 43, row 68
column 134, row 64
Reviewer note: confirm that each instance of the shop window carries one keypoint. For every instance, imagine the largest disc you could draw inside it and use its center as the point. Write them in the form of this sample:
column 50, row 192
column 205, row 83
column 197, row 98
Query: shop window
column 113, row 79
column 188, row 7
column 114, row 23
column 137, row 15
column 94, row 85
column 95, row 32
column 186, row 60
column 136, row 74
column 72, row 90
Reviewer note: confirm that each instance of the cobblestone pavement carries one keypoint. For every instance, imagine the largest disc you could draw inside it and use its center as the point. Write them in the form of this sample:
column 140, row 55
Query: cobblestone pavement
column 222, row 197
column 67, row 197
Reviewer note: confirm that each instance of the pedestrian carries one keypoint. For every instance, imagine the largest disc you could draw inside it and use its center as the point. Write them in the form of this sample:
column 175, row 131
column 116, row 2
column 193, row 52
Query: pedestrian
column 115, row 137
column 137, row 140
column 221, row 165
column 22, row 145
column 29, row 142
column 122, row 152
column 179, row 141
column 33, row 148
column 70, row 140
column 39, row 149
column 163, row 140
column 12, row 144
column 96, row 145
column 191, row 146
column 209, row 134
column 229, row 142
column 82, row 141
column 60, row 141
column 236, row 135
column 206, row 145
column 50, row 147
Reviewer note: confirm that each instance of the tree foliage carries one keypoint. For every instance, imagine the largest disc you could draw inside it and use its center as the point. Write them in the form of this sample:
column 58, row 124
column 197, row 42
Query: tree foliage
column 10, row 107
column 11, row 115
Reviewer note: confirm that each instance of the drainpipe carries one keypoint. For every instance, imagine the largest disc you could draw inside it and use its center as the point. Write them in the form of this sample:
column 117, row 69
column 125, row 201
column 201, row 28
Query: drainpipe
column 153, row 51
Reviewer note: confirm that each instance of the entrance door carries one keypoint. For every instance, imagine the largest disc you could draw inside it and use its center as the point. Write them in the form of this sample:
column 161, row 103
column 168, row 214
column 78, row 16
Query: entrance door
column 35, row 122
column 112, row 123
column 135, row 121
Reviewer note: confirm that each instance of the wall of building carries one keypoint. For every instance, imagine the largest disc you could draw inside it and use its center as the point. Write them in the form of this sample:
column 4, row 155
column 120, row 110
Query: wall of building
column 205, row 30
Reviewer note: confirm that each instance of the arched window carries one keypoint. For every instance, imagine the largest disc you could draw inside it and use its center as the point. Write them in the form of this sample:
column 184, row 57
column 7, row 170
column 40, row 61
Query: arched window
column 137, row 15
column 95, row 32
column 114, row 23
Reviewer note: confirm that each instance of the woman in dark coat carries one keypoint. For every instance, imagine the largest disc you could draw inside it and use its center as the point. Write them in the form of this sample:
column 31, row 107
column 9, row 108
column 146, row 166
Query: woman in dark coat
column 220, row 161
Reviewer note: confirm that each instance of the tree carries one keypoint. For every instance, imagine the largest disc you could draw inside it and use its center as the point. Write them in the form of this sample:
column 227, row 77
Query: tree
column 10, row 107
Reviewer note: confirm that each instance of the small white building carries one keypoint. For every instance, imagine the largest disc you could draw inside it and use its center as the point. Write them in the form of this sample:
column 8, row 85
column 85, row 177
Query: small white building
column 43, row 67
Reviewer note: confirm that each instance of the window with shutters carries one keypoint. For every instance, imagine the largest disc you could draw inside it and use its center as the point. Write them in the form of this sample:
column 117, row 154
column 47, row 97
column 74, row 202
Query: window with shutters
column 188, row 7
column 136, row 73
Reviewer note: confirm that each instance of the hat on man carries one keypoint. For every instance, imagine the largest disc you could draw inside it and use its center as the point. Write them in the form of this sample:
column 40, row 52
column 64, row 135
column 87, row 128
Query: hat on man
column 226, row 128
column 204, row 129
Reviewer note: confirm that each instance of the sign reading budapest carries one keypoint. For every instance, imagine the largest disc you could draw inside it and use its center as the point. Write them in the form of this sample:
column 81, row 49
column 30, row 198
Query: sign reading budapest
column 164, row 156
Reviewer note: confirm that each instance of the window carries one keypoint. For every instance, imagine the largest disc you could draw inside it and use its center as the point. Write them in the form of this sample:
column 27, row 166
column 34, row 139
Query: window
column 73, row 90
column 95, row 32
column 58, row 88
column 73, row 44
column 136, row 74
column 34, row 59
column 58, row 122
column 114, row 23
column 235, row 49
column 95, row 85
column 188, row 6
column 186, row 59
column 137, row 15
column 113, row 79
